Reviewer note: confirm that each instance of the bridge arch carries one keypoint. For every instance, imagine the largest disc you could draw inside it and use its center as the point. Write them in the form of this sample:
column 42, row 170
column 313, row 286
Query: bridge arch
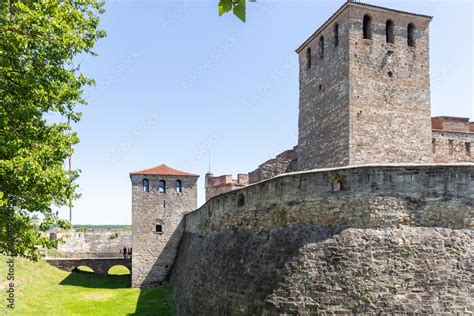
column 83, row 268
column 100, row 266
column 119, row 269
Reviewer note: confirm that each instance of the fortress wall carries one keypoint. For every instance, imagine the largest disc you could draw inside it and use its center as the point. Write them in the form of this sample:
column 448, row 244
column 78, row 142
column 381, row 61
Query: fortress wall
column 370, row 197
column 452, row 146
column 297, row 246
column 83, row 244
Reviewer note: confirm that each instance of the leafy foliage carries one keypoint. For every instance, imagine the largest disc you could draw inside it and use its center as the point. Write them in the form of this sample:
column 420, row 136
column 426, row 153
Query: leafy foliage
column 40, row 87
column 238, row 7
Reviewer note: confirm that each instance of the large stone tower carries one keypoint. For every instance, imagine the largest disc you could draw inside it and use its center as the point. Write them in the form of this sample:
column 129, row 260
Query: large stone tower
column 161, row 196
column 365, row 89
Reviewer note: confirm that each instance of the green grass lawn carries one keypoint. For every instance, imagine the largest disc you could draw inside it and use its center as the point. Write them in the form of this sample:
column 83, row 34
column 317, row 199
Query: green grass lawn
column 41, row 289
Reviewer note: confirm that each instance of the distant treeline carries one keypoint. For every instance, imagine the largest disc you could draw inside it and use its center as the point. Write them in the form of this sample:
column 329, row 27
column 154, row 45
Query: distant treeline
column 101, row 227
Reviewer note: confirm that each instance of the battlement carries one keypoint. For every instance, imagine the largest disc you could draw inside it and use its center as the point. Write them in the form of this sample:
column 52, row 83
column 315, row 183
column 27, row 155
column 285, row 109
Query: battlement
column 225, row 183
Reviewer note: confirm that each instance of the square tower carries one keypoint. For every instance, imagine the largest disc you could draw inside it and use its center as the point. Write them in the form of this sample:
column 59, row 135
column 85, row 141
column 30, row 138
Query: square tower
column 365, row 89
column 161, row 196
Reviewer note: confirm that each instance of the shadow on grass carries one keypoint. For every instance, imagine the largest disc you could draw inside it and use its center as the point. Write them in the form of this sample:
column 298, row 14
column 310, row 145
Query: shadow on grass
column 155, row 301
column 91, row 280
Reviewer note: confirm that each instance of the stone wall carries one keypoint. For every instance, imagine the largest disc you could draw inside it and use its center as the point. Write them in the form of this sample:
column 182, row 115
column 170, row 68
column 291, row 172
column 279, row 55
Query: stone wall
column 225, row 183
column 369, row 197
column 453, row 146
column 389, row 101
column 311, row 271
column 154, row 252
column 366, row 100
column 282, row 163
column 335, row 240
column 451, row 124
column 323, row 126
column 93, row 244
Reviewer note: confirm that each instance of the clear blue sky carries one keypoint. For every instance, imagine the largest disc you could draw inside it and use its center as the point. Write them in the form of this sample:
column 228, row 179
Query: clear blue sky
column 175, row 80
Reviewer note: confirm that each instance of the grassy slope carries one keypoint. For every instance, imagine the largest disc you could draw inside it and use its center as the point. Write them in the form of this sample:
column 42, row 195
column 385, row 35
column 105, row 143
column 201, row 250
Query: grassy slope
column 38, row 291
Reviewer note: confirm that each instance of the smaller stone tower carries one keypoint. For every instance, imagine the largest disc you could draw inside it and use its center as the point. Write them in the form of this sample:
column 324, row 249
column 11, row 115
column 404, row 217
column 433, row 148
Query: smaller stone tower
column 161, row 196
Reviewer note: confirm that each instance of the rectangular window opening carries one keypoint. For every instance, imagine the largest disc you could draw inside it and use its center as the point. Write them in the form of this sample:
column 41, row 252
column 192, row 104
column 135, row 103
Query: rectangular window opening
column 159, row 228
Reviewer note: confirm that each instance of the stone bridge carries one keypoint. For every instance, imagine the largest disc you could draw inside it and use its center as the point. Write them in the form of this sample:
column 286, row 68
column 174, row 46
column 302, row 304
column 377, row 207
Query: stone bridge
column 100, row 265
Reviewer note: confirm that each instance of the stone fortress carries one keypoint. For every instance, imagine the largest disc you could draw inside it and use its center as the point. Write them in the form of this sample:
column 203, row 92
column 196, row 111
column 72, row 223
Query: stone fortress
column 371, row 212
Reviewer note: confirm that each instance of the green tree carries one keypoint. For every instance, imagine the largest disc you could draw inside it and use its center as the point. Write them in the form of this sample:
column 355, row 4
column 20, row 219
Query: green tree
column 238, row 7
column 40, row 88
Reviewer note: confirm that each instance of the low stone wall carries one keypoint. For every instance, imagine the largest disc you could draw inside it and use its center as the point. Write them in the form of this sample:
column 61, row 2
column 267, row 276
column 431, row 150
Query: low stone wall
column 333, row 241
column 95, row 244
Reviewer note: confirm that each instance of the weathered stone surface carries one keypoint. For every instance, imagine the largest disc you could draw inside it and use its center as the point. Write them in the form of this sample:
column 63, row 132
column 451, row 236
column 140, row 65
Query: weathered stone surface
column 282, row 163
column 450, row 146
column 365, row 101
column 222, row 184
column 100, row 265
column 154, row 252
column 305, row 271
column 296, row 246
column 370, row 197
column 96, row 244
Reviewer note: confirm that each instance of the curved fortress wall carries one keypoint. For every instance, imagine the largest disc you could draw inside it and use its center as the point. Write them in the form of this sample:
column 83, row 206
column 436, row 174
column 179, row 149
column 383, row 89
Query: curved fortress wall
column 333, row 240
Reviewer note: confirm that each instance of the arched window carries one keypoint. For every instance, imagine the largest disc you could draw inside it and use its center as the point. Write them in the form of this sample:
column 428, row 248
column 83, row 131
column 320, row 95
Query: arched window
column 367, row 27
column 162, row 186
column 321, row 47
column 146, row 185
column 308, row 58
column 336, row 34
column 389, row 32
column 411, row 35
column 178, row 186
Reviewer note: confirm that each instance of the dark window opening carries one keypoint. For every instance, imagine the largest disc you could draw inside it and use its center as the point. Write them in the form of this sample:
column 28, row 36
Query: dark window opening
column 320, row 87
column 308, row 58
column 162, row 186
column 146, row 185
column 241, row 200
column 451, row 147
column 433, row 145
column 411, row 35
column 321, row 47
column 468, row 149
column 159, row 228
column 164, row 203
column 178, row 186
column 390, row 38
column 390, row 74
column 367, row 27
column 336, row 34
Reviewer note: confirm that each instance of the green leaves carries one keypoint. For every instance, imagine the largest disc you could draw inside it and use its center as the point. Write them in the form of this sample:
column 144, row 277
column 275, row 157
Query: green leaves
column 40, row 88
column 238, row 7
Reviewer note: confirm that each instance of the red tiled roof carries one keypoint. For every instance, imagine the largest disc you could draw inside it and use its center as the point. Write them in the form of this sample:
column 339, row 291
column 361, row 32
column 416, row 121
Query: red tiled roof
column 164, row 170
